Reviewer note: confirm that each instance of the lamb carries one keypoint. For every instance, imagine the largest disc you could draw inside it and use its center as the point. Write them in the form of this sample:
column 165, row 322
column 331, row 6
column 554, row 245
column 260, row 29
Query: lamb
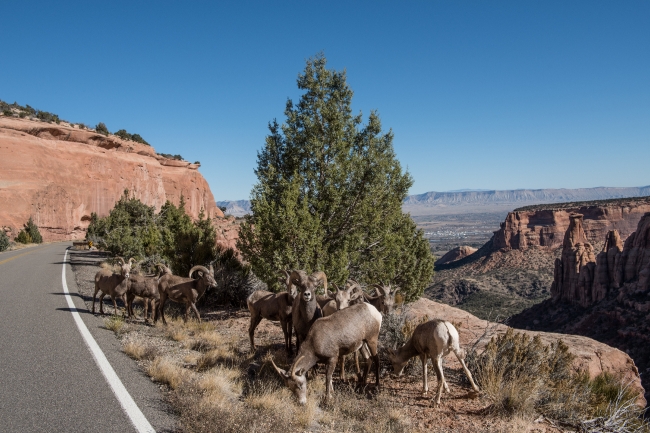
column 305, row 309
column 272, row 306
column 330, row 337
column 146, row 287
column 112, row 284
column 384, row 301
column 184, row 290
column 433, row 339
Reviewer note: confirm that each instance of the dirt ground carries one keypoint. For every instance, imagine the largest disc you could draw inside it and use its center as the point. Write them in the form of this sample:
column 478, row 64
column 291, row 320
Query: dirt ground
column 457, row 413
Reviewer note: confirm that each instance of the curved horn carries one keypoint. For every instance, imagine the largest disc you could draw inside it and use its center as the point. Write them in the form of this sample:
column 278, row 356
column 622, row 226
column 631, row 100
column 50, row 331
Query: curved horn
column 199, row 268
column 320, row 276
column 298, row 278
column 280, row 371
column 295, row 364
column 131, row 260
column 120, row 259
column 380, row 289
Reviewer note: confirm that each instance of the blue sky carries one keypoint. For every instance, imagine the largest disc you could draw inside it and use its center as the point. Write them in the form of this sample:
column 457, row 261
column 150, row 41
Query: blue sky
column 480, row 95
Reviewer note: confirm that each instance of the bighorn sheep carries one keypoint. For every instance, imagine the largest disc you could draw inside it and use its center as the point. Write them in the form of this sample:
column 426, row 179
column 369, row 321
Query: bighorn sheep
column 184, row 290
column 305, row 309
column 112, row 284
column 384, row 301
column 331, row 337
column 352, row 294
column 146, row 287
column 433, row 339
column 272, row 306
column 343, row 298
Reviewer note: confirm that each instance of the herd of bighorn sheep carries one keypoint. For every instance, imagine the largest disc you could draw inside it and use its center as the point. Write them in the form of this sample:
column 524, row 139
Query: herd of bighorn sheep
column 327, row 327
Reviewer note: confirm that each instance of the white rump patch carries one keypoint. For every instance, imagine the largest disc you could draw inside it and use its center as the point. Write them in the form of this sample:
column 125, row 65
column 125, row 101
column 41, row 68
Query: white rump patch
column 375, row 313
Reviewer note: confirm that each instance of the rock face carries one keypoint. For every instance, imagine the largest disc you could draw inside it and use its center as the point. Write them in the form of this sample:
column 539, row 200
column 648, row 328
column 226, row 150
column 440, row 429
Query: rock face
column 455, row 254
column 606, row 297
column 58, row 175
column 545, row 226
column 591, row 355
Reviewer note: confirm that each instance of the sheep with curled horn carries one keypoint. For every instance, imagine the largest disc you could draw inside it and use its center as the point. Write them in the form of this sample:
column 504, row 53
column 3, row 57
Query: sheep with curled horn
column 184, row 290
column 305, row 308
column 113, row 284
column 330, row 337
column 384, row 300
column 263, row 304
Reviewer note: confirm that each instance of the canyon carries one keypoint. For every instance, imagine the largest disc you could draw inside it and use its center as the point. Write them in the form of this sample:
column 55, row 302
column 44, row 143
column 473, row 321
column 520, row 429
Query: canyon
column 59, row 174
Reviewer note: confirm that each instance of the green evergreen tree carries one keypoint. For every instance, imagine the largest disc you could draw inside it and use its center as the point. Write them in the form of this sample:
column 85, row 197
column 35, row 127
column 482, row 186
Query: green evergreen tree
column 4, row 240
column 329, row 194
column 29, row 234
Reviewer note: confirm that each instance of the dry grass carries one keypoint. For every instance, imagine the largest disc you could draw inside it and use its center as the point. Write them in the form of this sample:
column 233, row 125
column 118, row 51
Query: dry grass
column 164, row 370
column 115, row 323
column 139, row 351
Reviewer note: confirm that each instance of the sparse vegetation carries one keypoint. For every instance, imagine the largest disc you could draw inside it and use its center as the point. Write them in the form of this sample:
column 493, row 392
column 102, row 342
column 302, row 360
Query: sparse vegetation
column 170, row 156
column 124, row 135
column 579, row 204
column 4, row 240
column 101, row 128
column 522, row 377
column 29, row 234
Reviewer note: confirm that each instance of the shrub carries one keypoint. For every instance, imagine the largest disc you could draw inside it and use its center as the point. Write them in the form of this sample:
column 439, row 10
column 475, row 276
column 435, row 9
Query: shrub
column 101, row 128
column 29, row 234
column 235, row 281
column 524, row 377
column 4, row 240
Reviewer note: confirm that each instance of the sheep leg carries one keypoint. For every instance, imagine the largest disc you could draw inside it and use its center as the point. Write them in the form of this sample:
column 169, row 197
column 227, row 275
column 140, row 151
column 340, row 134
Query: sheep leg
column 161, row 308
column 342, row 362
column 101, row 303
column 356, row 363
column 129, row 305
column 467, row 372
column 196, row 311
column 425, row 379
column 331, row 366
column 289, row 329
column 94, row 295
column 437, row 366
column 255, row 320
column 114, row 305
column 145, row 308
column 374, row 358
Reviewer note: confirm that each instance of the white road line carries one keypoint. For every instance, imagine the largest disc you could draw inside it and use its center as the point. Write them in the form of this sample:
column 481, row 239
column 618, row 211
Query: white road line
column 126, row 401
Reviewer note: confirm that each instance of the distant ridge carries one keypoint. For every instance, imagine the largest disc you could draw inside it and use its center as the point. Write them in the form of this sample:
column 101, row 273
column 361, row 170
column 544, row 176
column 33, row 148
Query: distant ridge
column 475, row 201
column 434, row 202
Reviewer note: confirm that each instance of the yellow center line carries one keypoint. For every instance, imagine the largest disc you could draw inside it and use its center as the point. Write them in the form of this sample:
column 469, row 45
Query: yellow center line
column 15, row 257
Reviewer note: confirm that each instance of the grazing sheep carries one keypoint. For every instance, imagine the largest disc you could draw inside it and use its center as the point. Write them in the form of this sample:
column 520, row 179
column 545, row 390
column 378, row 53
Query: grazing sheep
column 272, row 306
column 184, row 290
column 112, row 284
column 433, row 339
column 384, row 301
column 331, row 337
column 305, row 309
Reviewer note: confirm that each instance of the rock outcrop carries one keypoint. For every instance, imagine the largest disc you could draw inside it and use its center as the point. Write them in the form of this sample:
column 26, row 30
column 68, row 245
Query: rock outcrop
column 59, row 174
column 455, row 254
column 546, row 225
column 590, row 355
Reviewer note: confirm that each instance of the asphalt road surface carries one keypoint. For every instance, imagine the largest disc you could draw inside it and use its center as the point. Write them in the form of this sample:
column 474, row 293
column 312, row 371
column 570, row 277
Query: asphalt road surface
column 49, row 379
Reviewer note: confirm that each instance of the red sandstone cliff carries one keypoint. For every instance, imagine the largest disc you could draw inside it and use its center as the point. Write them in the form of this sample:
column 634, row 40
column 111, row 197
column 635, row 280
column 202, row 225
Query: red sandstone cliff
column 546, row 226
column 58, row 175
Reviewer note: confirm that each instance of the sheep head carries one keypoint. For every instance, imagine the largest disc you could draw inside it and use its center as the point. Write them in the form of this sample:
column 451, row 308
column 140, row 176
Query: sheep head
column 125, row 267
column 295, row 380
column 396, row 360
column 206, row 274
column 386, row 298
column 350, row 293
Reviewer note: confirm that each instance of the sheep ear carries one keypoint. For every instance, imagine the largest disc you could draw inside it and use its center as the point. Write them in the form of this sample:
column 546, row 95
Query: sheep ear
column 300, row 372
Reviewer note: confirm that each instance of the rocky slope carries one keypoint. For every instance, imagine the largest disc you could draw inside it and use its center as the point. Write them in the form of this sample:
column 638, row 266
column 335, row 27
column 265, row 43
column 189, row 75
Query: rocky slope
column 591, row 355
column 604, row 296
column 514, row 270
column 59, row 174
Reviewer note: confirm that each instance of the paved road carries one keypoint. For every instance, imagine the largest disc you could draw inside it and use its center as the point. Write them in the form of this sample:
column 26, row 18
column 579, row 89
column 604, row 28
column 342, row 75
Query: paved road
column 49, row 381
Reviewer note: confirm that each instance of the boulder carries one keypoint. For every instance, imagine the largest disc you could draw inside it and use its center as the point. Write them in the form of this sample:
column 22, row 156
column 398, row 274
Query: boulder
column 455, row 254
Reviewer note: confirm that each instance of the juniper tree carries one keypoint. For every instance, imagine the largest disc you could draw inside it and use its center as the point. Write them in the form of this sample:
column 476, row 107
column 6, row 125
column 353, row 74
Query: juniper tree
column 329, row 194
